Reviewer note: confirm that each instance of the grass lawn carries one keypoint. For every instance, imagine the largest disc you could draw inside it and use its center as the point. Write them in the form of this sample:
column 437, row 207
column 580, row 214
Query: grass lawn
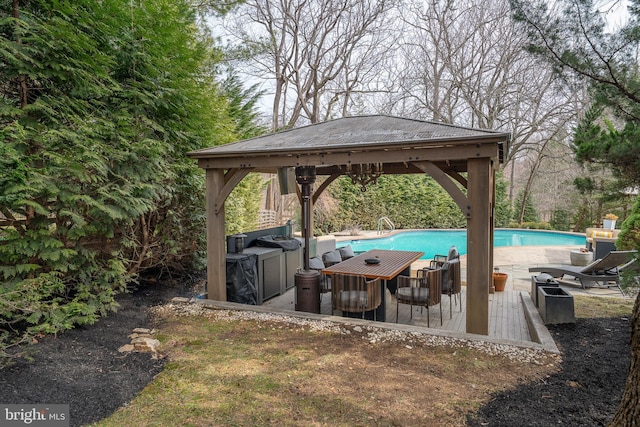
column 227, row 369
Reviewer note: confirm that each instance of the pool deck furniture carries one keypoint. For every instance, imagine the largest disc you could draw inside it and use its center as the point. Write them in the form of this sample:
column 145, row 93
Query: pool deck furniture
column 356, row 294
column 392, row 264
column 601, row 241
column 602, row 235
column 604, row 271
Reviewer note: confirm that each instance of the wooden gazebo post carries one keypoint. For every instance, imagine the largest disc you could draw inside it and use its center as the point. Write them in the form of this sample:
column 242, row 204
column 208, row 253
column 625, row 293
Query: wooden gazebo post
column 479, row 248
column 216, row 259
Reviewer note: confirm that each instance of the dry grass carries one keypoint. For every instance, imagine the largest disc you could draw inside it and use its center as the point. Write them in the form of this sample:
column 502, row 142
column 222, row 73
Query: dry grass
column 593, row 307
column 252, row 373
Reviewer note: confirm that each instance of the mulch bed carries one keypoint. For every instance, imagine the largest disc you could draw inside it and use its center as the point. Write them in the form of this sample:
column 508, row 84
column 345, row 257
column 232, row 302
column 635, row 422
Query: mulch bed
column 586, row 391
column 83, row 368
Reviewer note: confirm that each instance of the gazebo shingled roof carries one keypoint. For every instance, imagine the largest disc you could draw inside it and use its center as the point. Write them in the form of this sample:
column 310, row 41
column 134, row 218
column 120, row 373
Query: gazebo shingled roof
column 353, row 133
column 398, row 146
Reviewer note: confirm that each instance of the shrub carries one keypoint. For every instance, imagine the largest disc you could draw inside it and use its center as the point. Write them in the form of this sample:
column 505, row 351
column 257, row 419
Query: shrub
column 95, row 185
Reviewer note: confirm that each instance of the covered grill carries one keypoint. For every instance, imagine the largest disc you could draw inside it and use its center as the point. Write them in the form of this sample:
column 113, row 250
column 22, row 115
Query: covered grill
column 278, row 256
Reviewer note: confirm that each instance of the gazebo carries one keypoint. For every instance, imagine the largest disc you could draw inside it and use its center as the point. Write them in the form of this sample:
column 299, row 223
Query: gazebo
column 364, row 147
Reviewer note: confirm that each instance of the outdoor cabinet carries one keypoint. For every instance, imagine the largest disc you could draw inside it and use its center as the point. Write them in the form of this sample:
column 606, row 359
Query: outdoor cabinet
column 271, row 271
column 292, row 263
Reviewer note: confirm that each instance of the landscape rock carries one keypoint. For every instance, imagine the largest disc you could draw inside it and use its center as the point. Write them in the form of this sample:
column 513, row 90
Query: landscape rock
column 142, row 342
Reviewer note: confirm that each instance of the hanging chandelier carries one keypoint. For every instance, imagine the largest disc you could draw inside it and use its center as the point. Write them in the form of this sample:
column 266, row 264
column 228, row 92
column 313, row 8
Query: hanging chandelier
column 364, row 174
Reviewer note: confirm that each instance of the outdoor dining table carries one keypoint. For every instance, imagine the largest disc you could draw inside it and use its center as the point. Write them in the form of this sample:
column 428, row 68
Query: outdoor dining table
column 391, row 265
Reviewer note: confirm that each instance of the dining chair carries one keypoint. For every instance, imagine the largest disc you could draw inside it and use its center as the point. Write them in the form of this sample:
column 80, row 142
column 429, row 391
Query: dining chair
column 355, row 293
column 439, row 260
column 451, row 281
column 424, row 291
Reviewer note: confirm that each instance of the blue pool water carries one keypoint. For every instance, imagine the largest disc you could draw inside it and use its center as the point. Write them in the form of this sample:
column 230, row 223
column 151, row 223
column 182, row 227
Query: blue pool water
column 433, row 242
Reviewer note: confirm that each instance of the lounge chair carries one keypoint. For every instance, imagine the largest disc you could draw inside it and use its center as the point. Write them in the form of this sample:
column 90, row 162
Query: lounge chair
column 603, row 270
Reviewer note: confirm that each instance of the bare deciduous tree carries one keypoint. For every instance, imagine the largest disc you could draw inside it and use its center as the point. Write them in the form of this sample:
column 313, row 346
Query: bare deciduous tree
column 464, row 63
column 317, row 53
column 459, row 62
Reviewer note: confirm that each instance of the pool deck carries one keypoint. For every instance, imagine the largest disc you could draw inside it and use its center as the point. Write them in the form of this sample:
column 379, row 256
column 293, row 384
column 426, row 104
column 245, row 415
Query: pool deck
column 513, row 318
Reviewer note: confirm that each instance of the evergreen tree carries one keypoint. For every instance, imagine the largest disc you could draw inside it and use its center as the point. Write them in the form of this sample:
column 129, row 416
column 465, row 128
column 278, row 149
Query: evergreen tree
column 530, row 212
column 243, row 204
column 573, row 38
column 629, row 237
column 410, row 201
column 502, row 212
column 100, row 102
column 560, row 220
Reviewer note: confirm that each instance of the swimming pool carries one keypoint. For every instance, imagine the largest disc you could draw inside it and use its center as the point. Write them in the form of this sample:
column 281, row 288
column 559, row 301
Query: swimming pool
column 433, row 242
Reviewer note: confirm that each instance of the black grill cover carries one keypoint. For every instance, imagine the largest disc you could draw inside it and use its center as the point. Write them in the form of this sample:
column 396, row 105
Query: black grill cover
column 273, row 241
column 242, row 278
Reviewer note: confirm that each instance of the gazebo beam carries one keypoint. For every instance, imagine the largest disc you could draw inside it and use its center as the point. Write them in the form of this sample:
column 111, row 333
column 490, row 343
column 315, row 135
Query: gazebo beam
column 324, row 186
column 232, row 178
column 447, row 183
column 389, row 154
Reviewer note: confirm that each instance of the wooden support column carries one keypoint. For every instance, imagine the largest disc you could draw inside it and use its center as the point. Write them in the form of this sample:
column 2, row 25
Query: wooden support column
column 216, row 255
column 479, row 231
column 492, row 221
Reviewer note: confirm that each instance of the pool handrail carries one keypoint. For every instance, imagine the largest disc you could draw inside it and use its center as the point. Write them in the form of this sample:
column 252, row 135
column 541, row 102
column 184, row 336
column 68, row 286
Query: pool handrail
column 388, row 222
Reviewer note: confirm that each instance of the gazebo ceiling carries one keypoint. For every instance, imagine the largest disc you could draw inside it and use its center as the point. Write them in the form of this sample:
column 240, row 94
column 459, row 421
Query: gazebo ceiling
column 391, row 141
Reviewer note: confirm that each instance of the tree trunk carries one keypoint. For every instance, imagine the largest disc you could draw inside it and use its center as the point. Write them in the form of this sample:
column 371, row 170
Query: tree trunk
column 628, row 414
column 22, row 79
column 527, row 187
column 511, row 181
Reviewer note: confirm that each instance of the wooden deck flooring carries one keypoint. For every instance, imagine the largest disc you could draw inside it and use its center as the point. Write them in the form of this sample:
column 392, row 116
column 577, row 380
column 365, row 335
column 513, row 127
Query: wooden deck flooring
column 506, row 313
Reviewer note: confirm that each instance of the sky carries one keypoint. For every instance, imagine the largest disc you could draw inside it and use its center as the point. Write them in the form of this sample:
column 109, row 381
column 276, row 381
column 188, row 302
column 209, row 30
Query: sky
column 617, row 15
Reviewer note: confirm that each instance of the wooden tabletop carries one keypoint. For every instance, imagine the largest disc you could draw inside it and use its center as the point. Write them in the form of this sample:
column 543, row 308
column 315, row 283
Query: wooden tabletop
column 391, row 264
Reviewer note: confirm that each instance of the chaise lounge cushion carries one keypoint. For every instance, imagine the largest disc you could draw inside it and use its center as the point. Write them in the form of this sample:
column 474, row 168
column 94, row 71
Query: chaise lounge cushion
column 601, row 232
